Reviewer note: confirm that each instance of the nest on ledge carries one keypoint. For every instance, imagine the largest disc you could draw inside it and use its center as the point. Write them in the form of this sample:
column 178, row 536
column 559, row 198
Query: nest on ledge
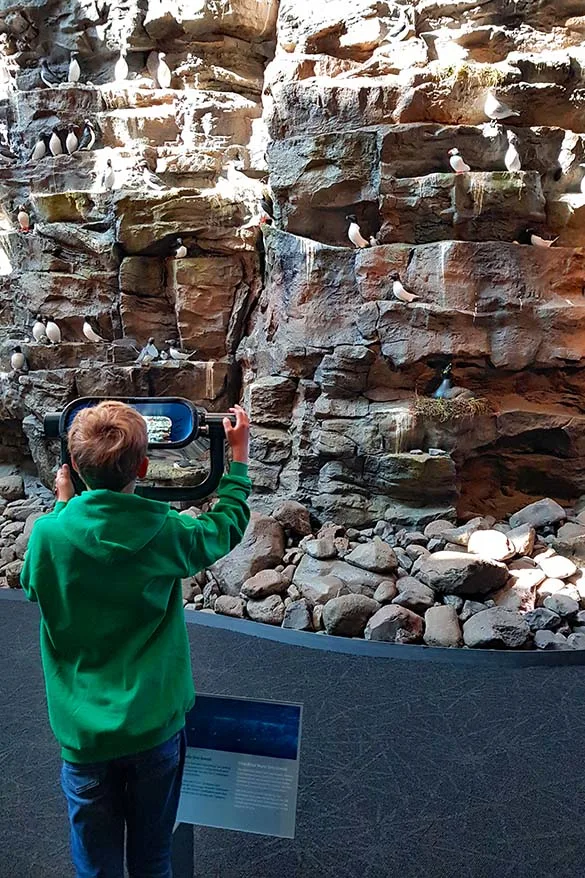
column 443, row 410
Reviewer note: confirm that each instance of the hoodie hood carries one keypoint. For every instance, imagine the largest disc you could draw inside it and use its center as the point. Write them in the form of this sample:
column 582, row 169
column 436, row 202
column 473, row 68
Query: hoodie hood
column 103, row 524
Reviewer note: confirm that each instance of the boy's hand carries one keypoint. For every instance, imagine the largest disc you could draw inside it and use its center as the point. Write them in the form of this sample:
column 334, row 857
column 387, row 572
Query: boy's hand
column 238, row 436
column 64, row 489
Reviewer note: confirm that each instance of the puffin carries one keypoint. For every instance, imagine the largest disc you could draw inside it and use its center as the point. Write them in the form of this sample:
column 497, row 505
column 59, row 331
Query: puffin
column 457, row 163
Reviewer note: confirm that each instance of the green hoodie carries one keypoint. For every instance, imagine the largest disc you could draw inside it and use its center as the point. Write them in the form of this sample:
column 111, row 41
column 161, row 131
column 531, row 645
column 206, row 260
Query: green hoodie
column 106, row 570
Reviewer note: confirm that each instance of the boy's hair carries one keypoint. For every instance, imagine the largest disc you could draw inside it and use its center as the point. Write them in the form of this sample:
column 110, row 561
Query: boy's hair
column 108, row 442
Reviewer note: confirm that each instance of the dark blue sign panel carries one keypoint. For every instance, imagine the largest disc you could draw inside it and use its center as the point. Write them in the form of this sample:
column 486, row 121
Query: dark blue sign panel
column 242, row 765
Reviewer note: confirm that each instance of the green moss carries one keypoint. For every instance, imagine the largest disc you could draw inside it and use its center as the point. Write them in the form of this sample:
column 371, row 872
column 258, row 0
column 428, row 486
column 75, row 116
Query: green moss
column 470, row 76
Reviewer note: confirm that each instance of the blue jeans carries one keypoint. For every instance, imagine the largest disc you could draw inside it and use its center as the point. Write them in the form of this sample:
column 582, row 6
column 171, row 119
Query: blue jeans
column 139, row 794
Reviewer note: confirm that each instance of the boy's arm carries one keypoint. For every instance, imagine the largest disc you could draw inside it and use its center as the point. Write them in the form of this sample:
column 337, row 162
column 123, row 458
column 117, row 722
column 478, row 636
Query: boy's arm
column 210, row 536
column 27, row 575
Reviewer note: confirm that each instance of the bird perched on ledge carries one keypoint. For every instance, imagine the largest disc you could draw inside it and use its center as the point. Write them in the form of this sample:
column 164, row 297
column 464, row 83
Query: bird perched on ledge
column 446, row 384
column 457, row 163
column 148, row 353
column 23, row 219
column 90, row 333
column 496, row 110
column 399, row 291
column 530, row 237
column 354, row 233
column 18, row 360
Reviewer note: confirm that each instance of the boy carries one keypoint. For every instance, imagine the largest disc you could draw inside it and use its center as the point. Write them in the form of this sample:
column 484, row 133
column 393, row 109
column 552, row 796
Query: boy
column 106, row 570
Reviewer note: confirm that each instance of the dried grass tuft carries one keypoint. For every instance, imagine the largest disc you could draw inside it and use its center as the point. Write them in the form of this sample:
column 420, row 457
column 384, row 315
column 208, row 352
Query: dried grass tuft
column 443, row 410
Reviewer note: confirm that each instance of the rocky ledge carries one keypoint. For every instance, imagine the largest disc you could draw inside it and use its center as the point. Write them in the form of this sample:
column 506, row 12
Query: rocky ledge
column 518, row 584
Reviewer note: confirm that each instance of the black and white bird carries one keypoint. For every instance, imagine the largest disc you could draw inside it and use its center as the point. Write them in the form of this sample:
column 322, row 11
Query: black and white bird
column 496, row 110
column 71, row 141
column 108, row 176
column 176, row 353
column 90, row 333
column 530, row 237
column 121, row 68
column 266, row 210
column 512, row 157
column 39, row 149
column 74, row 71
column 354, row 233
column 162, row 72
column 457, row 163
column 180, row 250
column 150, row 180
column 48, row 78
column 399, row 291
column 23, row 218
column 148, row 353
column 55, row 145
column 39, row 330
column 52, row 331
column 446, row 384
column 18, row 360
column 88, row 136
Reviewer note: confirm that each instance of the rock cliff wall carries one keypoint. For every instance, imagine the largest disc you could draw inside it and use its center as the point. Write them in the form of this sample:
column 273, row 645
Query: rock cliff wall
column 342, row 108
column 363, row 102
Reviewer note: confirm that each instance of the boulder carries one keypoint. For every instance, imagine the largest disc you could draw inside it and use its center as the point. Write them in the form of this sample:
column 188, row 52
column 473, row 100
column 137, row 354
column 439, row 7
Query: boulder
column 294, row 517
column 11, row 484
column 357, row 580
column 298, row 616
column 576, row 640
column 515, row 596
column 437, row 528
column 457, row 573
column 262, row 547
column 442, row 627
column 460, row 535
column 323, row 589
column 228, row 605
column 550, row 640
column 376, row 556
column 542, row 619
column 264, row 583
column 12, row 573
column 386, row 592
column 469, row 609
column 557, row 567
column 347, row 616
column 562, row 605
column 453, row 600
column 395, row 624
column 322, row 548
column 271, row 400
column 522, row 538
column 269, row 610
column 491, row 544
column 414, row 595
column 539, row 514
column 496, row 628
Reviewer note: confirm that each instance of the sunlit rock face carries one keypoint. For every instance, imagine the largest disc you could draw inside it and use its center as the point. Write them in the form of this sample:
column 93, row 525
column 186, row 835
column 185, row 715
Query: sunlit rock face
column 337, row 109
